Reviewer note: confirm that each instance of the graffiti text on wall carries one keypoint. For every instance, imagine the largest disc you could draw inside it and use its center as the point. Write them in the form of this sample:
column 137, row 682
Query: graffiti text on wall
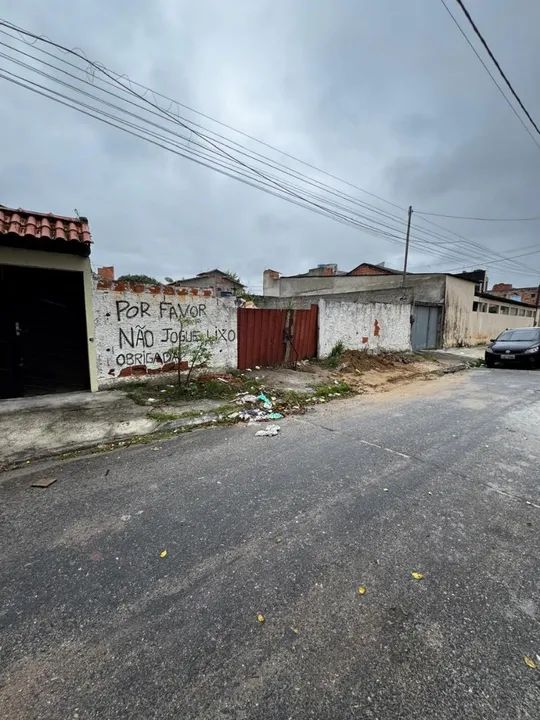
column 141, row 338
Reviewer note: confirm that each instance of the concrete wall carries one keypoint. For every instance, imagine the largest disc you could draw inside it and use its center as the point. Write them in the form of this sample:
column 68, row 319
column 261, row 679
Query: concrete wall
column 390, row 295
column 137, row 325
column 61, row 261
column 428, row 288
column 457, row 312
column 369, row 326
column 484, row 325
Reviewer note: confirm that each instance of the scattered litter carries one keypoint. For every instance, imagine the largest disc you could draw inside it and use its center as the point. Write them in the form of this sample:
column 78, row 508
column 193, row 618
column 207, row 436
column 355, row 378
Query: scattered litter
column 220, row 379
column 529, row 662
column 267, row 404
column 274, row 416
column 385, row 489
column 162, row 391
column 43, row 482
column 417, row 575
column 279, row 539
column 125, row 518
column 245, row 399
column 270, row 431
column 260, row 618
column 257, row 367
column 362, row 590
column 163, row 554
column 528, row 502
column 151, row 400
column 233, row 415
column 296, row 631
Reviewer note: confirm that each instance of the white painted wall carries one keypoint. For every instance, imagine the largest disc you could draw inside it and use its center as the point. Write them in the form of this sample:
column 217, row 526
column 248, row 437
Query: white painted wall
column 485, row 325
column 364, row 326
column 139, row 328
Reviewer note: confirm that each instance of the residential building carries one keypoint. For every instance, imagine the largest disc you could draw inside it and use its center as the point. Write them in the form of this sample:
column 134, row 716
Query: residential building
column 46, row 322
column 449, row 310
column 524, row 294
column 222, row 284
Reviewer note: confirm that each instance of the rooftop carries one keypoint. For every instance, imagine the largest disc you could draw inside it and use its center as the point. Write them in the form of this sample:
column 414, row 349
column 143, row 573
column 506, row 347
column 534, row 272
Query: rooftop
column 44, row 231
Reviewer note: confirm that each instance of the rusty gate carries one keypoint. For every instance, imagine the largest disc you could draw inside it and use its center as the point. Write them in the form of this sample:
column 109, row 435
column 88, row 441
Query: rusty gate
column 276, row 337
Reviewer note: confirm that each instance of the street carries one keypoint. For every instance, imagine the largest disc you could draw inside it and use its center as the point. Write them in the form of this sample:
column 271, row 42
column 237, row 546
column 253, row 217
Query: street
column 439, row 477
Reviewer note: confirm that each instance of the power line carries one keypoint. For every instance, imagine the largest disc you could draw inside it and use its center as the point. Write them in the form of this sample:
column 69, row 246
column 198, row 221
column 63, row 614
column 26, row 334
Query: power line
column 179, row 104
column 497, row 65
column 161, row 138
column 217, row 159
column 499, row 88
column 482, row 219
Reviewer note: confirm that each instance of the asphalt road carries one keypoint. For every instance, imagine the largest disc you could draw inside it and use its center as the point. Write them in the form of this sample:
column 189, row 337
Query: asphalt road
column 440, row 478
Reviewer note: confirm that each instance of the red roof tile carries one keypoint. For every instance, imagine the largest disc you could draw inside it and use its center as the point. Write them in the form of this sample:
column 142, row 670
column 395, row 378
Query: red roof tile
column 26, row 223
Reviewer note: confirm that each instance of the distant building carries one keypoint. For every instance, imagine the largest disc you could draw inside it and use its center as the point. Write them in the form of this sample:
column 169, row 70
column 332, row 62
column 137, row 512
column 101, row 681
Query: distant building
column 221, row 283
column 479, row 277
column 527, row 295
column 449, row 309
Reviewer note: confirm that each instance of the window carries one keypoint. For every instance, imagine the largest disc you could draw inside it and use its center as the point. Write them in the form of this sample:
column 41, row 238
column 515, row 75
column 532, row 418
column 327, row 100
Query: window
column 521, row 312
column 513, row 311
column 494, row 309
column 530, row 313
column 475, row 306
column 520, row 335
column 505, row 310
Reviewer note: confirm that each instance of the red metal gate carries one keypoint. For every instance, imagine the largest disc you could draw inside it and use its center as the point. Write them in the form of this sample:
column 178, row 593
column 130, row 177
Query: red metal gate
column 273, row 337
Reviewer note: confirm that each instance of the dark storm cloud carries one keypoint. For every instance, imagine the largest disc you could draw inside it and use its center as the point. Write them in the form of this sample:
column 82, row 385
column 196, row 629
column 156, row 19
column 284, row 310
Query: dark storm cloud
column 386, row 94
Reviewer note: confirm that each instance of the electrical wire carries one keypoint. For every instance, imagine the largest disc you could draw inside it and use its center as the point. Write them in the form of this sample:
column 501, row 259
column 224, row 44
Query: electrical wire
column 482, row 219
column 108, row 73
column 499, row 88
column 207, row 147
column 497, row 64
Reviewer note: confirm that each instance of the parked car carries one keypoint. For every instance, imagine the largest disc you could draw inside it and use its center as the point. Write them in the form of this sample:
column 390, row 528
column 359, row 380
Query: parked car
column 513, row 347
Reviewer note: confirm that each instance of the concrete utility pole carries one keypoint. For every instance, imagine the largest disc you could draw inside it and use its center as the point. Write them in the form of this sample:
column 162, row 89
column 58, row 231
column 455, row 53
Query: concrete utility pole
column 407, row 245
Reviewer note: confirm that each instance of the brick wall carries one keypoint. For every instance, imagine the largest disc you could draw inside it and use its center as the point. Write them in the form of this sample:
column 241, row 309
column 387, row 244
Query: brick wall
column 370, row 270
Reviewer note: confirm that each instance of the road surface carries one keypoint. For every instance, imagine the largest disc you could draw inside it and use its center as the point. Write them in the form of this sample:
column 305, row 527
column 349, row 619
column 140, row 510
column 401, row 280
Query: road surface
column 440, row 478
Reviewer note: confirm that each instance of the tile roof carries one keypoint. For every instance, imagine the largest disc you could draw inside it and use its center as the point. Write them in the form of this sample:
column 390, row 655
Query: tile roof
column 44, row 226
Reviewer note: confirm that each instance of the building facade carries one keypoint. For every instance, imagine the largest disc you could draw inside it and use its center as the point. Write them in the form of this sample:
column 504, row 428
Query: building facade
column 222, row 284
column 448, row 310
column 46, row 322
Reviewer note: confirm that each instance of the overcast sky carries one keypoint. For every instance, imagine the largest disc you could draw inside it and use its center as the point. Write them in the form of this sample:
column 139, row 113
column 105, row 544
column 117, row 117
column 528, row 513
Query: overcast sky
column 386, row 94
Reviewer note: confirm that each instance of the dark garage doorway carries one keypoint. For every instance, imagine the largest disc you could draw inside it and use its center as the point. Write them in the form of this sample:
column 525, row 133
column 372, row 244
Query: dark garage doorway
column 43, row 336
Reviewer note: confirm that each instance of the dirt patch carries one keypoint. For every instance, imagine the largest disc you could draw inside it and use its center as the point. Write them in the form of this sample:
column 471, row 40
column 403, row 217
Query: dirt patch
column 362, row 360
column 365, row 373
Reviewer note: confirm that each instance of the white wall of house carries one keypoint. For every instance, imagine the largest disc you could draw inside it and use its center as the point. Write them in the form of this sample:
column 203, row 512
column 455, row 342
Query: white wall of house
column 61, row 261
column 364, row 326
column 136, row 330
column 458, row 304
column 491, row 317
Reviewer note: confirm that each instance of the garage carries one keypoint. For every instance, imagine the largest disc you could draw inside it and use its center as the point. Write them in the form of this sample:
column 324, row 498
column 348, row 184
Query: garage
column 46, row 323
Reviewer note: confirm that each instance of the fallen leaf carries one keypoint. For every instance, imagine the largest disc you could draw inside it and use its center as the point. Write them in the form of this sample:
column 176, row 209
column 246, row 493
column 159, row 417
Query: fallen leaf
column 260, row 618
column 417, row 575
column 163, row 554
column 529, row 662
column 362, row 590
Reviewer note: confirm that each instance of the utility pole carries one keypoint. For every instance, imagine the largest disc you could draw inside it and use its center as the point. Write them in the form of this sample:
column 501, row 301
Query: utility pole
column 536, row 318
column 407, row 246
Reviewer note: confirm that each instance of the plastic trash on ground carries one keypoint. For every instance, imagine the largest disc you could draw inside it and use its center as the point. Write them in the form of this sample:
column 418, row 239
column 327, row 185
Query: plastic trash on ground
column 270, row 431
